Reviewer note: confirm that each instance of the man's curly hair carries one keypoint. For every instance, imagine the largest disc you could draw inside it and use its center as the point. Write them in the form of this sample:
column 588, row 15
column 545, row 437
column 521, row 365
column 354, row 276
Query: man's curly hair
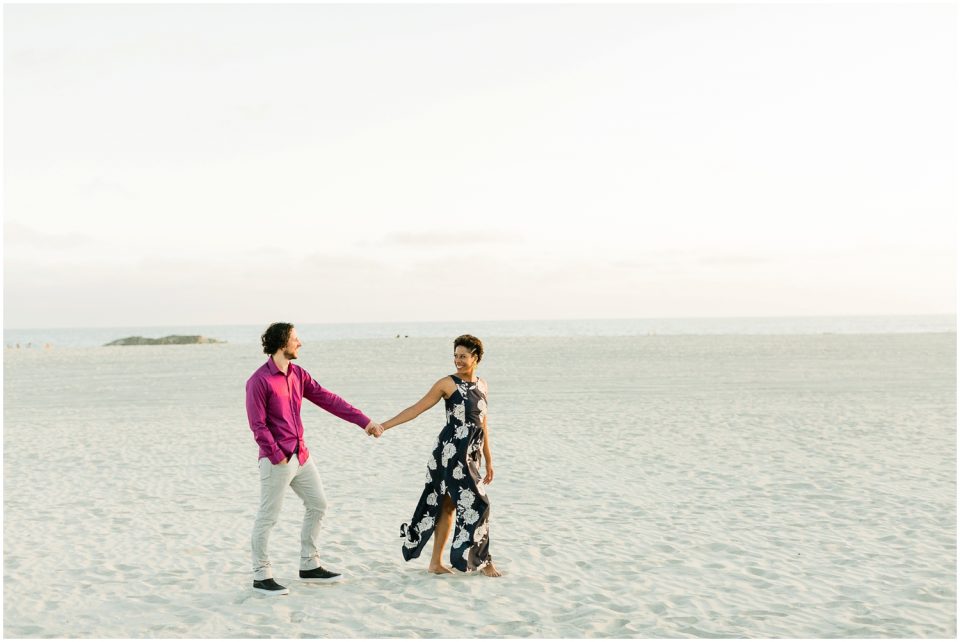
column 276, row 337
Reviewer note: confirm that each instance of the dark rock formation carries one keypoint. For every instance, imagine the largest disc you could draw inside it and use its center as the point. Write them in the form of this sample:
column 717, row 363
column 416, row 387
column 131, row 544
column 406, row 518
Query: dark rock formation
column 173, row 339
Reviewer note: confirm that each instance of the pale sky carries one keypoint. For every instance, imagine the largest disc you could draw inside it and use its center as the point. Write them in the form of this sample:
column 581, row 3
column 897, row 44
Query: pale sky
column 230, row 164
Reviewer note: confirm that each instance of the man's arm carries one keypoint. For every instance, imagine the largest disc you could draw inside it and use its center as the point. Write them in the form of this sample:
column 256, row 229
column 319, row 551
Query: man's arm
column 332, row 403
column 257, row 416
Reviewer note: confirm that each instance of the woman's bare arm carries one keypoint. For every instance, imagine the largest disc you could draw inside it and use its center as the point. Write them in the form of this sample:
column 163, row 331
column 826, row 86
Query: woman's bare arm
column 435, row 394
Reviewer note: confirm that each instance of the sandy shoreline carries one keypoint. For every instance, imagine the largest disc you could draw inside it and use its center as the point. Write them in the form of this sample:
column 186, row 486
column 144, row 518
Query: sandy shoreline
column 650, row 487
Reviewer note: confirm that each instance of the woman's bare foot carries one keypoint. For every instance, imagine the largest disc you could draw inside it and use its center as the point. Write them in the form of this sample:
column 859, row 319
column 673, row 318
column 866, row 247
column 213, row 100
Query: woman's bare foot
column 490, row 570
column 439, row 569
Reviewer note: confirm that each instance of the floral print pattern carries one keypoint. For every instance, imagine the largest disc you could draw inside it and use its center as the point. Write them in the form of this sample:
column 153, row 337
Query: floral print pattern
column 449, row 450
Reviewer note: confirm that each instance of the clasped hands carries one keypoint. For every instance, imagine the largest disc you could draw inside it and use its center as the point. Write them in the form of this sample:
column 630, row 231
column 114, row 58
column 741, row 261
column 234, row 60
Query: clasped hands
column 375, row 429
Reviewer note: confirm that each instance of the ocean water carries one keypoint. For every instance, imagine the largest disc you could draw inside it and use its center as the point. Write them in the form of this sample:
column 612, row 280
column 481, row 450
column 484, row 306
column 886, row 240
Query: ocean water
column 670, row 485
column 89, row 337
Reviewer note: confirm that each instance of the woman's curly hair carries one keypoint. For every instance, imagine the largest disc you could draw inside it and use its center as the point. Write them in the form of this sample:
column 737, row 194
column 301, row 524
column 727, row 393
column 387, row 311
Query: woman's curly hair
column 471, row 343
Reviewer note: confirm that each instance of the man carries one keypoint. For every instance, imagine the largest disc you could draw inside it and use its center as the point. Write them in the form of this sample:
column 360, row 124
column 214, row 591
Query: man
column 274, row 395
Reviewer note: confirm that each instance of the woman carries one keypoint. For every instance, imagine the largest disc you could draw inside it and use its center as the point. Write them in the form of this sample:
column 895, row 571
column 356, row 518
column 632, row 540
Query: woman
column 453, row 494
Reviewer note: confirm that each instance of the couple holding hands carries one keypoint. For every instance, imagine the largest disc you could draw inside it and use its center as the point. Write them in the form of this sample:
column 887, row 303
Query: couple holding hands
column 453, row 496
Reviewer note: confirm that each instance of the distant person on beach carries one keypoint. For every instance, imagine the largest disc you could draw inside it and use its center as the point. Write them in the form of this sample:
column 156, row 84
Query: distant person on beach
column 275, row 393
column 453, row 483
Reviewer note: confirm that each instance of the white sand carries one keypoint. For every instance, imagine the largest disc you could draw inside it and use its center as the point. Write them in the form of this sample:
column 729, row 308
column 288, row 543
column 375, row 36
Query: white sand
column 650, row 487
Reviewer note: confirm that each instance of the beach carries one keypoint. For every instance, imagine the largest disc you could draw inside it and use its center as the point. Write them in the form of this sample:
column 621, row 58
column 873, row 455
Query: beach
column 797, row 486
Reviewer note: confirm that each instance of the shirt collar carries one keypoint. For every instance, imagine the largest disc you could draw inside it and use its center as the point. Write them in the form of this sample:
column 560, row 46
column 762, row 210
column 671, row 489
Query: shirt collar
column 272, row 366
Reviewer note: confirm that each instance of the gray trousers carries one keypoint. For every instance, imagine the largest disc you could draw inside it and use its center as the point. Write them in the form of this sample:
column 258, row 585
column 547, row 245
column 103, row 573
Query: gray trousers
column 306, row 483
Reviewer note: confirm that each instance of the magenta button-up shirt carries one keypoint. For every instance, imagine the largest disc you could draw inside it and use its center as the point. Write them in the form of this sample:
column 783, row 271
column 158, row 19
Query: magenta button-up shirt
column 273, row 408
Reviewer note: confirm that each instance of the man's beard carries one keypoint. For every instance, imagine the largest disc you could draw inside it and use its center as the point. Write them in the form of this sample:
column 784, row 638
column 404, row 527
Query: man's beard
column 289, row 355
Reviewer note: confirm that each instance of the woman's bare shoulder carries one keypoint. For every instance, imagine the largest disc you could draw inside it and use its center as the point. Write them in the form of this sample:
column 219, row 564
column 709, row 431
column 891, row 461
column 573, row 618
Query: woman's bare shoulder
column 446, row 385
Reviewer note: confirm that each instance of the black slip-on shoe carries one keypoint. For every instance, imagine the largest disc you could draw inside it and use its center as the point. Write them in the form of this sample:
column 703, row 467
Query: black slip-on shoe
column 269, row 587
column 320, row 574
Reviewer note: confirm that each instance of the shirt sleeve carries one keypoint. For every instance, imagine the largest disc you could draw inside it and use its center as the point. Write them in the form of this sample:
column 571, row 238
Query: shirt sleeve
column 257, row 416
column 332, row 403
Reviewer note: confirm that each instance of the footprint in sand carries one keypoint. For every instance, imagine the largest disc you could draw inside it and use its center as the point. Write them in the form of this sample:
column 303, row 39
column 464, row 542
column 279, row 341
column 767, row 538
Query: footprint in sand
column 771, row 575
column 683, row 619
column 694, row 632
column 151, row 599
column 28, row 630
column 417, row 607
column 658, row 607
column 192, row 618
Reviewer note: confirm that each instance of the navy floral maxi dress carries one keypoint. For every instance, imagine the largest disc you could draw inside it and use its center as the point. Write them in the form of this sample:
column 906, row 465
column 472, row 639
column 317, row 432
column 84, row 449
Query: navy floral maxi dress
column 454, row 470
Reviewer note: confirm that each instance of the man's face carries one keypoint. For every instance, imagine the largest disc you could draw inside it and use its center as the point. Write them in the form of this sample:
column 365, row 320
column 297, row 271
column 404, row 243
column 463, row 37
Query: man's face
column 293, row 345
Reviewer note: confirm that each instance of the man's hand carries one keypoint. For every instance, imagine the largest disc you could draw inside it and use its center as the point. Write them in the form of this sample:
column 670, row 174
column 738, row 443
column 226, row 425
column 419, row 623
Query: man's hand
column 375, row 429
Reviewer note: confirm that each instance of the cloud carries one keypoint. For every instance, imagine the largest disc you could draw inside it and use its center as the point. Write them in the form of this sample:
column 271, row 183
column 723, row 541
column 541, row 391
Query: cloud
column 446, row 237
column 100, row 186
column 340, row 262
column 633, row 264
column 15, row 234
column 732, row 260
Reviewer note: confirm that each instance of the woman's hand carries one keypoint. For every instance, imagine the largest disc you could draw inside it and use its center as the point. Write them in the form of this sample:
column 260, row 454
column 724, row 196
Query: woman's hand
column 489, row 476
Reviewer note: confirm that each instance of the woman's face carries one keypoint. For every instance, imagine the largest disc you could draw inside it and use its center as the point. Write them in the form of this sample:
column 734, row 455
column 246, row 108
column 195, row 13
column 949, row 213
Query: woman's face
column 463, row 359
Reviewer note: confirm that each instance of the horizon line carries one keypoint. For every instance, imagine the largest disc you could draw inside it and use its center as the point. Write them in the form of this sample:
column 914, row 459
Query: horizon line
column 331, row 323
